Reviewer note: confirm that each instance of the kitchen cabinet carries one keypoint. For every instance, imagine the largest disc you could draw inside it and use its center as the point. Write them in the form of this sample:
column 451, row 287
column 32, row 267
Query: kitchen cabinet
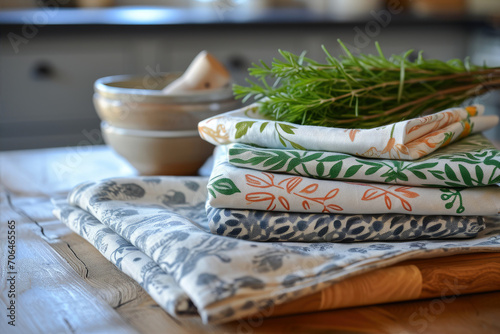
column 46, row 88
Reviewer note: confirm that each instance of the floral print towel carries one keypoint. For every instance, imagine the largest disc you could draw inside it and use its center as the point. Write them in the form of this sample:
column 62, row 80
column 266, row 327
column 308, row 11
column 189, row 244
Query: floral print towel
column 155, row 229
column 231, row 187
column 405, row 140
column 470, row 162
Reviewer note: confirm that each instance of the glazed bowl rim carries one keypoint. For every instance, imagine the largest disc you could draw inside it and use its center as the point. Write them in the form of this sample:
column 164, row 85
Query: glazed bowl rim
column 104, row 86
column 106, row 127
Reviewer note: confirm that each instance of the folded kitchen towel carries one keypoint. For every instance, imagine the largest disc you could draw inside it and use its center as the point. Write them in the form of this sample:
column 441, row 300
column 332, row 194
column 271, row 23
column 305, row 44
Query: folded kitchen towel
column 259, row 225
column 160, row 285
column 470, row 162
column 405, row 140
column 155, row 229
column 231, row 187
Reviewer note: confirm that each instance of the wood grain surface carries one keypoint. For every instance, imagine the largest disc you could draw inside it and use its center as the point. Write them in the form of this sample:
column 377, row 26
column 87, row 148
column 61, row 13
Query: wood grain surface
column 51, row 297
column 462, row 274
column 416, row 279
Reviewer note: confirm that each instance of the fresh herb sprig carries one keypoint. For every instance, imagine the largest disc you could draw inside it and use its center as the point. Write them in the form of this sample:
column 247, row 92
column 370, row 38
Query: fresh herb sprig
column 362, row 91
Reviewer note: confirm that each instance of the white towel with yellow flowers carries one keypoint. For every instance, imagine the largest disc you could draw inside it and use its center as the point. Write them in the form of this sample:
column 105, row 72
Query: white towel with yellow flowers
column 405, row 140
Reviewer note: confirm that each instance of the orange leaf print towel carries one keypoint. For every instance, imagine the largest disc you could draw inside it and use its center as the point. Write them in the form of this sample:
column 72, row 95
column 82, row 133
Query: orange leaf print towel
column 405, row 140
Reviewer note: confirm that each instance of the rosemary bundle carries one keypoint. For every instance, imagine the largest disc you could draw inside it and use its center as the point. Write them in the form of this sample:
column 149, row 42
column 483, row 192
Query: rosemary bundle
column 362, row 91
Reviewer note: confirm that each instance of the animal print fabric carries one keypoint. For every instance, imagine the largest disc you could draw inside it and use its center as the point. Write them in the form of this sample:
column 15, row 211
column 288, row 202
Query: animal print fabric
column 258, row 225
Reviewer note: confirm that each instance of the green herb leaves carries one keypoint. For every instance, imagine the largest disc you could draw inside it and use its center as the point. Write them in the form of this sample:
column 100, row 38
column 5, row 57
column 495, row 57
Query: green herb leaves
column 362, row 91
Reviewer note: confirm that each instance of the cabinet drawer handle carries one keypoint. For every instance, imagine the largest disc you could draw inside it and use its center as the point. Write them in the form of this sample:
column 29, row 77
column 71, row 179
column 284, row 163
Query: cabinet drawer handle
column 43, row 70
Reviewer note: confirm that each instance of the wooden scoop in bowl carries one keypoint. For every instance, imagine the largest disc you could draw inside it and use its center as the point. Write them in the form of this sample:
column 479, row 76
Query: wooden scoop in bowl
column 204, row 72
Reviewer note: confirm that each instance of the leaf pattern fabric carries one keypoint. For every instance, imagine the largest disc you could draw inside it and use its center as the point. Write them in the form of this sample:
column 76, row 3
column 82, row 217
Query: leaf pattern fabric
column 160, row 285
column 268, row 226
column 155, row 229
column 238, row 188
column 470, row 162
column 405, row 140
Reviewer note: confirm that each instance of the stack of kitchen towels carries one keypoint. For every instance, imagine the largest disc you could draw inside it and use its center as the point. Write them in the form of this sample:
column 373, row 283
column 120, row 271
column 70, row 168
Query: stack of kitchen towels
column 294, row 183
column 425, row 178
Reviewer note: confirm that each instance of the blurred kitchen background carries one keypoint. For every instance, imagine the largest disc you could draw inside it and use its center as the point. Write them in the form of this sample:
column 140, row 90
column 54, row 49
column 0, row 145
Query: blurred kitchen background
column 52, row 51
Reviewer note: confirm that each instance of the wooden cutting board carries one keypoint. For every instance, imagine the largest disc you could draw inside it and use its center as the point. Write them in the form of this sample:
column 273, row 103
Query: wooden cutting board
column 443, row 277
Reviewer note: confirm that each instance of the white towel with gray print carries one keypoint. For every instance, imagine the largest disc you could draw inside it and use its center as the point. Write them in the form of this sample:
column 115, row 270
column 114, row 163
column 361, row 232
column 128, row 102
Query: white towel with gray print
column 155, row 229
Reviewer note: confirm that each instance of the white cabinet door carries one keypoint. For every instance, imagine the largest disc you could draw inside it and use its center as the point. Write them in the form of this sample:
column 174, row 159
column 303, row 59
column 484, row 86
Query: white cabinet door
column 46, row 91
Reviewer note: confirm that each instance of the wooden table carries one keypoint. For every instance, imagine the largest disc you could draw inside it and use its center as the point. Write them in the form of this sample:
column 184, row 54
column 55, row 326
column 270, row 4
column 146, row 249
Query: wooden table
column 64, row 285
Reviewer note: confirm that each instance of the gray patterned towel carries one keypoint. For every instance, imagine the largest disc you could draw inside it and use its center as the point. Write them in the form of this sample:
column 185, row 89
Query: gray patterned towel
column 155, row 229
column 258, row 225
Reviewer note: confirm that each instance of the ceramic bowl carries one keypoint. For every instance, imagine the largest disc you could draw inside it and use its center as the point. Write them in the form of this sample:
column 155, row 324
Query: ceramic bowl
column 131, row 102
column 159, row 152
